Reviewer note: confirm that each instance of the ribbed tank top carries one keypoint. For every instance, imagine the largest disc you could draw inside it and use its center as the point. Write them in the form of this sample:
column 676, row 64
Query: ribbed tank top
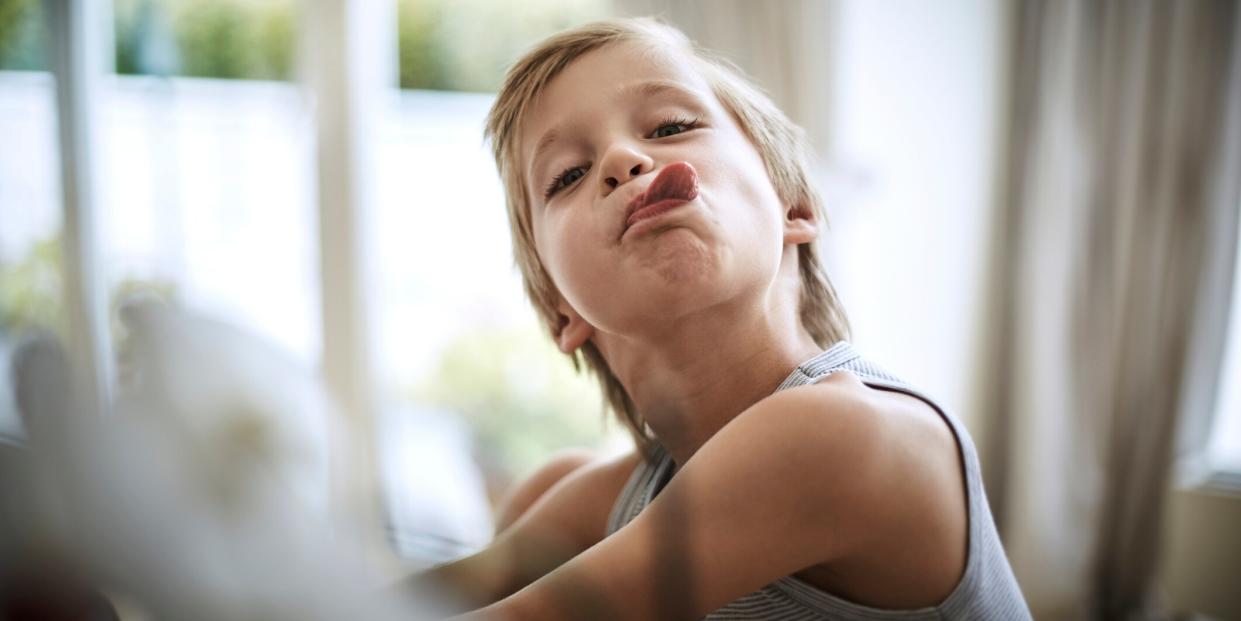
column 987, row 589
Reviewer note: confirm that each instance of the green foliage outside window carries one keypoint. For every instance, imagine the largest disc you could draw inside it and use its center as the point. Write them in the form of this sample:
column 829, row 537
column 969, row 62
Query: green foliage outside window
column 21, row 35
column 459, row 45
column 230, row 39
column 465, row 45
column 31, row 289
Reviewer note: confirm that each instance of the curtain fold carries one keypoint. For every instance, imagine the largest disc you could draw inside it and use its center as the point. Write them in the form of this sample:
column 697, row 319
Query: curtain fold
column 1121, row 174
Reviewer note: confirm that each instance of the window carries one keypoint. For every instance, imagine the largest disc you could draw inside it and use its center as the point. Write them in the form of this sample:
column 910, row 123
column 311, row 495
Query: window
column 1224, row 445
column 208, row 199
column 206, row 175
column 454, row 329
column 29, row 204
column 30, row 224
column 204, row 192
column 453, row 333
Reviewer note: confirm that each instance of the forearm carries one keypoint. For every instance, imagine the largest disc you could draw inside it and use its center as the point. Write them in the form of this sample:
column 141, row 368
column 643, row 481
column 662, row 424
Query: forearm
column 452, row 596
column 495, row 612
column 456, row 587
column 528, row 605
column 562, row 596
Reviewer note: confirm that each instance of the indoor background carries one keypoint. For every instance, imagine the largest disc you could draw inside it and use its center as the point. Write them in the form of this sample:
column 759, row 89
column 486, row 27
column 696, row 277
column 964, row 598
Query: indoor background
column 1033, row 215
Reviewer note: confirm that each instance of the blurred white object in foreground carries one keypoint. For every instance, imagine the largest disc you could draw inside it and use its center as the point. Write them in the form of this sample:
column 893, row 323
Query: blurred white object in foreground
column 206, row 495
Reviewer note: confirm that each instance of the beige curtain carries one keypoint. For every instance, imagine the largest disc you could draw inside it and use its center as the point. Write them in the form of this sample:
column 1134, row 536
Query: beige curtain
column 1119, row 217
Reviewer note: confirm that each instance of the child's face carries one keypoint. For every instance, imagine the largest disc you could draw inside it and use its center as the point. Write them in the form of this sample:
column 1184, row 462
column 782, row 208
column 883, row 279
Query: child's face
column 618, row 116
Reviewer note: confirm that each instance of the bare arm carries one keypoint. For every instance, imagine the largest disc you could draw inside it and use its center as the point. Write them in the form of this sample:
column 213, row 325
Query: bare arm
column 524, row 495
column 761, row 500
column 568, row 518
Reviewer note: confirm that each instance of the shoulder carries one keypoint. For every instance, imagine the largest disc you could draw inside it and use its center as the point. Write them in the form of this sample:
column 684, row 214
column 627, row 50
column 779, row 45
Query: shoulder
column 569, row 516
column 518, row 499
column 842, row 418
column 854, row 458
column 580, row 491
column 599, row 483
column 603, row 476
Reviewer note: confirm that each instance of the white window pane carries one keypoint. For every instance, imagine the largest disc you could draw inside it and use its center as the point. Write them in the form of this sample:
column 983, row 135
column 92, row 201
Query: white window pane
column 1225, row 444
column 453, row 328
column 207, row 194
column 30, row 224
column 441, row 233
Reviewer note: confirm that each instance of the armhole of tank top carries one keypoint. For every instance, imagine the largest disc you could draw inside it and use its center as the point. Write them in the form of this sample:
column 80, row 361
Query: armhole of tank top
column 973, row 529
column 625, row 498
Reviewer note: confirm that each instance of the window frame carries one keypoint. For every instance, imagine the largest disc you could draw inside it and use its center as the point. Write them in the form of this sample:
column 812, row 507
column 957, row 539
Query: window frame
column 347, row 70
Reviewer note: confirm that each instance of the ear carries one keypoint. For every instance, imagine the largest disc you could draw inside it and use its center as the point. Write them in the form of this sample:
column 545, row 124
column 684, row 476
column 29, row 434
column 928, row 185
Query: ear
column 800, row 225
column 572, row 331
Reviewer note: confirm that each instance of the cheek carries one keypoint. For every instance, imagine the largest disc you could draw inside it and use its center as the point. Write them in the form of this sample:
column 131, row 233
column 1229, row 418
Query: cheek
column 569, row 252
column 739, row 177
column 752, row 212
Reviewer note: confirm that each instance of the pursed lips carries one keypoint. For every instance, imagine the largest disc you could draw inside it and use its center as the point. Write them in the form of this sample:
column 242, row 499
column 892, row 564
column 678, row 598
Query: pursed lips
column 675, row 185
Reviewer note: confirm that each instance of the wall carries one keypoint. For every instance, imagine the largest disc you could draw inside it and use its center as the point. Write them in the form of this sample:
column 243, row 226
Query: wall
column 916, row 105
column 1202, row 552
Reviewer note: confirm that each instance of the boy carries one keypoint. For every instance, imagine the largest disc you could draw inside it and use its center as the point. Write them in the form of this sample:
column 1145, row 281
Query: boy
column 664, row 225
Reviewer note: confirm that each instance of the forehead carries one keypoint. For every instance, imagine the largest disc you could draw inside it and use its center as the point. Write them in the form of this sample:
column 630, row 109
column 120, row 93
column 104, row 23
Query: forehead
column 606, row 76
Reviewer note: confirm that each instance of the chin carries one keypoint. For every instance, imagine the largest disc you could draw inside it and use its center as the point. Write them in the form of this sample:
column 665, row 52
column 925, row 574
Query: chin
column 677, row 275
column 679, row 291
column 677, row 258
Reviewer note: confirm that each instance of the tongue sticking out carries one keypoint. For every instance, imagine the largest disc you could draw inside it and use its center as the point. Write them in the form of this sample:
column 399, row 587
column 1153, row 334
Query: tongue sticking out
column 677, row 182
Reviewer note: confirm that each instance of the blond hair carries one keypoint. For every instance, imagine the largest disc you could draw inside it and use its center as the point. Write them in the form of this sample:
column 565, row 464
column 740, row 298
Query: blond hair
column 779, row 141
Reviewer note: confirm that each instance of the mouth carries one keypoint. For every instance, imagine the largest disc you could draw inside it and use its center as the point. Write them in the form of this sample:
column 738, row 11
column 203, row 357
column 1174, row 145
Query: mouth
column 676, row 185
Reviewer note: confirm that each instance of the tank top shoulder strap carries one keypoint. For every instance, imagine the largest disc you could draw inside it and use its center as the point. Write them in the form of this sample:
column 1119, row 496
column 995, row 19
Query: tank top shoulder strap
column 841, row 356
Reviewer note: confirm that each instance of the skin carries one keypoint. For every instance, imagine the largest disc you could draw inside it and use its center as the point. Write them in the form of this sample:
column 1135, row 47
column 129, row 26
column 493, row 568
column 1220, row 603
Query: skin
column 856, row 490
column 518, row 501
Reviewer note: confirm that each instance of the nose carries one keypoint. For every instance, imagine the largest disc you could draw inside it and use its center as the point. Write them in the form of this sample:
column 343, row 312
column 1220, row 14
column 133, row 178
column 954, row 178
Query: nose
column 621, row 163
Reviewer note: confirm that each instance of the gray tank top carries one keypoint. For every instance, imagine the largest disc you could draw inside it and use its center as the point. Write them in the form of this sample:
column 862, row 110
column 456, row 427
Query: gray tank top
column 987, row 589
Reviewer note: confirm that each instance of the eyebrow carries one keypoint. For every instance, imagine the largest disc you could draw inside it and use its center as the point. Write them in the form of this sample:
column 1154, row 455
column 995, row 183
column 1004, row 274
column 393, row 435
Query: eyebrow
column 653, row 88
column 639, row 90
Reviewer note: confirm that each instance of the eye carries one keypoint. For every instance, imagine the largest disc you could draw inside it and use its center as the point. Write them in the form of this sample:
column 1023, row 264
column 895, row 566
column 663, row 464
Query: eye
column 672, row 127
column 565, row 179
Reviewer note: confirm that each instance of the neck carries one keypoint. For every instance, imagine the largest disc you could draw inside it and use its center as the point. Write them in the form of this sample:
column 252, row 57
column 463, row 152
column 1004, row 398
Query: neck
column 692, row 378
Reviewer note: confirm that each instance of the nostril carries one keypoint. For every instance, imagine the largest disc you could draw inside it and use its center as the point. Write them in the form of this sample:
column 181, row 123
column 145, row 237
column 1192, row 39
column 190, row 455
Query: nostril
column 635, row 171
column 612, row 182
